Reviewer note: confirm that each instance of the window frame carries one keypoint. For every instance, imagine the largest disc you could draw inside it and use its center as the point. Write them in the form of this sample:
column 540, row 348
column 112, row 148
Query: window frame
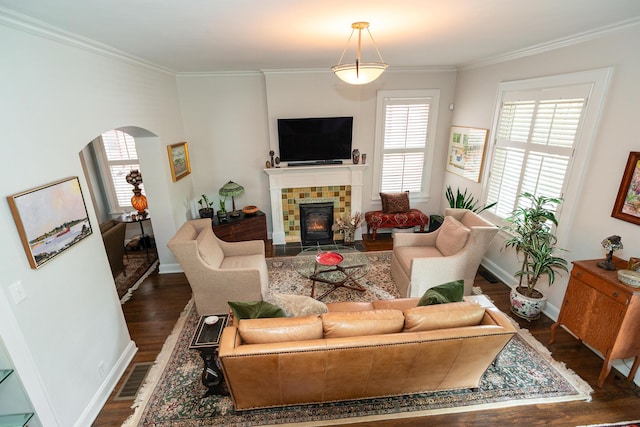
column 599, row 81
column 434, row 99
column 105, row 172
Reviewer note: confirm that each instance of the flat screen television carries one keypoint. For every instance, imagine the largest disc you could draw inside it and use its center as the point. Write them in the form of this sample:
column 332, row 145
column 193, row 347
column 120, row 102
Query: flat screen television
column 321, row 139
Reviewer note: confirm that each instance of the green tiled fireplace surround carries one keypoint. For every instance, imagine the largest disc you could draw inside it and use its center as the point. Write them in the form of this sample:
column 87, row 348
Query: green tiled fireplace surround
column 340, row 195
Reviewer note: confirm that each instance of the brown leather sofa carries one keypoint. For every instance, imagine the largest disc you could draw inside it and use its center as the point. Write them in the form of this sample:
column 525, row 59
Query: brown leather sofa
column 113, row 233
column 361, row 350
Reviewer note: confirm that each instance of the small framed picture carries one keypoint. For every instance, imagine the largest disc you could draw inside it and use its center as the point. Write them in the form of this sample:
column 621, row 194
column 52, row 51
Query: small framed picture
column 627, row 206
column 466, row 151
column 50, row 219
column 179, row 160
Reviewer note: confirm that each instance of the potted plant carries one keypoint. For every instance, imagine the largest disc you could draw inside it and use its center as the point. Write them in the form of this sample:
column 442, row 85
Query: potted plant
column 222, row 212
column 206, row 211
column 532, row 238
column 460, row 201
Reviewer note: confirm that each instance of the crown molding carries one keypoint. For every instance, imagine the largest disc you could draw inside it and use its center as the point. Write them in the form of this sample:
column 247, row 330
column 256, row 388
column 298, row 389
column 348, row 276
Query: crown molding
column 552, row 45
column 39, row 28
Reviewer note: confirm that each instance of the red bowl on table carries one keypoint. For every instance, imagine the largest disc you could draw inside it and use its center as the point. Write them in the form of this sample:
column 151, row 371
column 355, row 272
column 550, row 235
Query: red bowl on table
column 329, row 258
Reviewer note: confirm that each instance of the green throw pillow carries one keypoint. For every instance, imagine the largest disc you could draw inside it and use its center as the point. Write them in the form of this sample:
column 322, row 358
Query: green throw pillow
column 442, row 294
column 254, row 309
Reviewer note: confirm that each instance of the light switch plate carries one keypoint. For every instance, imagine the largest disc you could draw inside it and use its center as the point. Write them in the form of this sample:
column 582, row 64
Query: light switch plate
column 17, row 292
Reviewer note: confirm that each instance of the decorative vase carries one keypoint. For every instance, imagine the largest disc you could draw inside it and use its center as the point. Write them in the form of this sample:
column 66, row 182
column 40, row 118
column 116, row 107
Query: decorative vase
column 525, row 307
column 139, row 201
column 355, row 154
column 349, row 235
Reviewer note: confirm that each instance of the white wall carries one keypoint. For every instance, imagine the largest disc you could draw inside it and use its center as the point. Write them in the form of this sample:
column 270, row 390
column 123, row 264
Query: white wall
column 56, row 98
column 476, row 92
column 230, row 122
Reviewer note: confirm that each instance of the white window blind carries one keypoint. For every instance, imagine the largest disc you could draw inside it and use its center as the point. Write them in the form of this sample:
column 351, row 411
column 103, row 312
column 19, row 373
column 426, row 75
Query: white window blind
column 120, row 155
column 405, row 143
column 535, row 140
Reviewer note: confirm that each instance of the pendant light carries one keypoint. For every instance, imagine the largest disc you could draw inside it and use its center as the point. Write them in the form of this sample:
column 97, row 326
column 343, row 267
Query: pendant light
column 360, row 72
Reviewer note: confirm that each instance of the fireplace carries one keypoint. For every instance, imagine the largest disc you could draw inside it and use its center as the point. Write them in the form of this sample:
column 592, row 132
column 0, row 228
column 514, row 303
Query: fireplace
column 316, row 220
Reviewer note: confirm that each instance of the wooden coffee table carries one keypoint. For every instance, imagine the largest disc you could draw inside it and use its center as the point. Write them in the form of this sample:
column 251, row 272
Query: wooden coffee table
column 206, row 340
column 335, row 265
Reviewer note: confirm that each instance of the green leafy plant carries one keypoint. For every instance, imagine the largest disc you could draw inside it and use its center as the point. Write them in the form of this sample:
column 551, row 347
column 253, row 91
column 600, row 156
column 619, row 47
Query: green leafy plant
column 465, row 201
column 204, row 202
column 532, row 238
column 222, row 205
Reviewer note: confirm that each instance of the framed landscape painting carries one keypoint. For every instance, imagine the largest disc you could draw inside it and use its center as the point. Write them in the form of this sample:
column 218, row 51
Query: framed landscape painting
column 179, row 160
column 50, row 219
column 627, row 206
column 466, row 151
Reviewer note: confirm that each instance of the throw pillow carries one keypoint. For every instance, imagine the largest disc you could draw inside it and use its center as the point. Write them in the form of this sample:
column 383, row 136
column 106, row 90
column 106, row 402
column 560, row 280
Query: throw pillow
column 254, row 309
column 443, row 294
column 454, row 315
column 299, row 305
column 452, row 236
column 395, row 202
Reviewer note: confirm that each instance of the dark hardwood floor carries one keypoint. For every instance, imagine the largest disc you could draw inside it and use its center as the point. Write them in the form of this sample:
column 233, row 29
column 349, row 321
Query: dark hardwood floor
column 157, row 304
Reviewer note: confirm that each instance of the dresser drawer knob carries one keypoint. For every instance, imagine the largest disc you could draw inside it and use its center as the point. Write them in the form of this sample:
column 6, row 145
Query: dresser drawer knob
column 579, row 274
column 615, row 294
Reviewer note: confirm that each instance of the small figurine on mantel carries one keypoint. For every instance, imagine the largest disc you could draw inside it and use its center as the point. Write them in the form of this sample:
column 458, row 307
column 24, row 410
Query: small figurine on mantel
column 611, row 243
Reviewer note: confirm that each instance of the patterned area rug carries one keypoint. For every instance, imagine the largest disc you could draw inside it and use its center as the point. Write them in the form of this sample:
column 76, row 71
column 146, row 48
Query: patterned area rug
column 524, row 374
column 136, row 268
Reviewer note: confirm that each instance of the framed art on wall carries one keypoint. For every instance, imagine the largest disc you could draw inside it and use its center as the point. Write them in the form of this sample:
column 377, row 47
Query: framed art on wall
column 50, row 219
column 466, row 151
column 627, row 205
column 179, row 160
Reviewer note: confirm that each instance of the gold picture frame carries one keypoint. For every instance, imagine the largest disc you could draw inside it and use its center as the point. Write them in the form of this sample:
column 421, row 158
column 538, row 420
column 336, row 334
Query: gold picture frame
column 179, row 160
column 466, row 151
column 50, row 219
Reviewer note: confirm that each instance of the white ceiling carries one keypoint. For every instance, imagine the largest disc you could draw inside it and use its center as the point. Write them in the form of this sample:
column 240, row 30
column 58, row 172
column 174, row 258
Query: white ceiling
column 252, row 35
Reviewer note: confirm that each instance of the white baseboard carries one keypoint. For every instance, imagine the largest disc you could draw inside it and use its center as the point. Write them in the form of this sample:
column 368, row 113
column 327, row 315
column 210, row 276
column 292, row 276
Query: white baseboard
column 96, row 403
column 170, row 268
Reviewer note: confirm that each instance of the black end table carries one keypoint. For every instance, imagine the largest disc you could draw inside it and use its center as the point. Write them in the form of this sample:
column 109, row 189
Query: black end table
column 206, row 340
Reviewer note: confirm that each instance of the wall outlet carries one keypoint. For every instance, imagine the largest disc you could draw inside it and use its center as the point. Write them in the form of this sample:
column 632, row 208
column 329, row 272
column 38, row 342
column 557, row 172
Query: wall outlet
column 18, row 294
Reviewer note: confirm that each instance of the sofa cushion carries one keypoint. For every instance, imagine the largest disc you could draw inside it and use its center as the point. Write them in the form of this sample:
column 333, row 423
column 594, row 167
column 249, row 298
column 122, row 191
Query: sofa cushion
column 263, row 331
column 443, row 294
column 360, row 323
column 350, row 306
column 443, row 316
column 401, row 304
column 254, row 309
column 209, row 249
column 452, row 236
column 299, row 305
column 395, row 202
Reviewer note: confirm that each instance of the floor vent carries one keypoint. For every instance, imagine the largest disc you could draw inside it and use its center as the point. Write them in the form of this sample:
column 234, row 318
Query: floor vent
column 134, row 380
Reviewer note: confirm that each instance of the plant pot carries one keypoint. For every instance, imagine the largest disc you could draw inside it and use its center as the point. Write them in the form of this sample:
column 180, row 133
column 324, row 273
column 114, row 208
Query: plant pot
column 206, row 213
column 349, row 236
column 222, row 216
column 526, row 307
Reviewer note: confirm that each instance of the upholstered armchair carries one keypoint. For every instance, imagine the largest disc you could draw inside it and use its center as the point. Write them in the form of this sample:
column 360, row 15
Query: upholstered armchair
column 452, row 252
column 219, row 271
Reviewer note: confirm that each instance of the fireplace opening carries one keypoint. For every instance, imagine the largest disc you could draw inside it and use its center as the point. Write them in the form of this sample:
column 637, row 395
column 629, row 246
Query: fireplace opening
column 316, row 220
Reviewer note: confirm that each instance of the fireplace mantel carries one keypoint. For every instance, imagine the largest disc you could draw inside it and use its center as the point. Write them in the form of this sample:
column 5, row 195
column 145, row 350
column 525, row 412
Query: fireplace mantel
column 311, row 176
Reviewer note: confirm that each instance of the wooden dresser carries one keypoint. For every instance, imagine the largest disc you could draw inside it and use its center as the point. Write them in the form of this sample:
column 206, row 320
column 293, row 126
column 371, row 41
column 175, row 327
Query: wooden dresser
column 602, row 312
column 241, row 228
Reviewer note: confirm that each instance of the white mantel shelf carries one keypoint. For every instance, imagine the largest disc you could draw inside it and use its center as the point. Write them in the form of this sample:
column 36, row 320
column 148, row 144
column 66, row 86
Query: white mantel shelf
column 311, row 176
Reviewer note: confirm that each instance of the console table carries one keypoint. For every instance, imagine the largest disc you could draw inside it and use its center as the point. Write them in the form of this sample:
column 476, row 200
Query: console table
column 241, row 228
column 602, row 312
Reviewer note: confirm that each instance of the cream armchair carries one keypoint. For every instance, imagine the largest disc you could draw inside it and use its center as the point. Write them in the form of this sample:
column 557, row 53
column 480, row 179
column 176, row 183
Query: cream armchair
column 219, row 271
column 452, row 252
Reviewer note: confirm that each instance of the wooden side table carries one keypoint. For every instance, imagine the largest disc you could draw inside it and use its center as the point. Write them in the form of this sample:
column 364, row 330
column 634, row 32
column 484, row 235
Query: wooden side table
column 206, row 340
column 602, row 312
column 241, row 228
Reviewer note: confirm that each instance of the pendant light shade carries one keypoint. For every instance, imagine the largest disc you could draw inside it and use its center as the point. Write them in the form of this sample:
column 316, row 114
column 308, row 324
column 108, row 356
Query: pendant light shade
column 359, row 73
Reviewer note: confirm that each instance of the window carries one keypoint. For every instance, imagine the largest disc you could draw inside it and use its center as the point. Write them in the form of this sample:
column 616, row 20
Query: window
column 404, row 141
column 541, row 139
column 118, row 157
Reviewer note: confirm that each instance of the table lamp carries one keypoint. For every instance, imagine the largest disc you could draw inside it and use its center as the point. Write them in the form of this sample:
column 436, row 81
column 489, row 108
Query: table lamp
column 232, row 189
column 611, row 243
